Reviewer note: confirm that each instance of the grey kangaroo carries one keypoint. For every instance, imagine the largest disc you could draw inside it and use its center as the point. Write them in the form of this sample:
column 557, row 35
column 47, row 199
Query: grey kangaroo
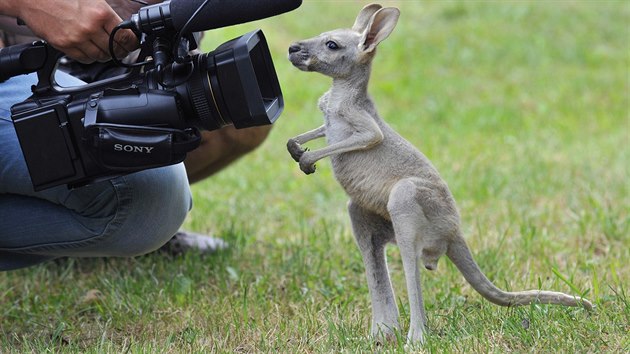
column 396, row 195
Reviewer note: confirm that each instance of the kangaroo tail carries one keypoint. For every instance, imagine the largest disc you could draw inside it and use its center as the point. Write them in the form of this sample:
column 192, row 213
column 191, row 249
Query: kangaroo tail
column 460, row 255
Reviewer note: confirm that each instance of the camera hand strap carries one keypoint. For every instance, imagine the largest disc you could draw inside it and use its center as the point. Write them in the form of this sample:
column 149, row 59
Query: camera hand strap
column 133, row 148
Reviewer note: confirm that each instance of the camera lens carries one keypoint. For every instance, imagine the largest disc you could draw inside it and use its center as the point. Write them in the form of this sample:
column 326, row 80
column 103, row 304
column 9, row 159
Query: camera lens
column 203, row 99
column 234, row 84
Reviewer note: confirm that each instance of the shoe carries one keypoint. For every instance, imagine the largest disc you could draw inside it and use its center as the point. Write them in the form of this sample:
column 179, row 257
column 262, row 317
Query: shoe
column 185, row 241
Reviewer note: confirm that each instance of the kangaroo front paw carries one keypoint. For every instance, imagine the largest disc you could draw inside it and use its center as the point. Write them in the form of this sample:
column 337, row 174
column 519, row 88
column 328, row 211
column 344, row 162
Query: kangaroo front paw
column 295, row 150
column 307, row 167
column 307, row 162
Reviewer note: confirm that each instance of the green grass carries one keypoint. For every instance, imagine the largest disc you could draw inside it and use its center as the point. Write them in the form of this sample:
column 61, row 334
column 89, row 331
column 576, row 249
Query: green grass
column 524, row 109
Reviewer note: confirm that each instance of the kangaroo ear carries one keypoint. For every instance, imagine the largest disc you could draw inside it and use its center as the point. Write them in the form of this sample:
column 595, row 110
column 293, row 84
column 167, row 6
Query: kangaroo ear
column 381, row 24
column 364, row 17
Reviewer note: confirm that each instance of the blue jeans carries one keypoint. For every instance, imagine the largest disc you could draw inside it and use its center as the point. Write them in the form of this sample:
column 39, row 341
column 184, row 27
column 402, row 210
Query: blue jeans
column 124, row 216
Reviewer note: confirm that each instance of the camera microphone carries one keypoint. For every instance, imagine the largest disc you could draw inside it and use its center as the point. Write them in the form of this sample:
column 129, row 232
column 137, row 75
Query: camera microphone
column 175, row 14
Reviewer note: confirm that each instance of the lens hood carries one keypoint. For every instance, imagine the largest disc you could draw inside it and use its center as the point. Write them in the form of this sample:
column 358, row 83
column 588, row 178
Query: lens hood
column 243, row 81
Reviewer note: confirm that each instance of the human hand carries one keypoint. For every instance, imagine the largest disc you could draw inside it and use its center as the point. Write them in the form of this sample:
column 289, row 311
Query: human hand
column 79, row 28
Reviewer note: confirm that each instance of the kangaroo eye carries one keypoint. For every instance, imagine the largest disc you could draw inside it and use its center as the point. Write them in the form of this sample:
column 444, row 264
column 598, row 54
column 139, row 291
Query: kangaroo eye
column 332, row 45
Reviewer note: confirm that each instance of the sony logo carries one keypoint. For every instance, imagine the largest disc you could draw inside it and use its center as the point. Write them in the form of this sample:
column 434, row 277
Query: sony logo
column 133, row 148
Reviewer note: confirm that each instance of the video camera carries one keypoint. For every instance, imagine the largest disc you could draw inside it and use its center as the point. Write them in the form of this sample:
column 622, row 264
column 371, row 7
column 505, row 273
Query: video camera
column 152, row 115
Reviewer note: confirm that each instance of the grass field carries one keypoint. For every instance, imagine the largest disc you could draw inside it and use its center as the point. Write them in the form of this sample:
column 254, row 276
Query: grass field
column 523, row 106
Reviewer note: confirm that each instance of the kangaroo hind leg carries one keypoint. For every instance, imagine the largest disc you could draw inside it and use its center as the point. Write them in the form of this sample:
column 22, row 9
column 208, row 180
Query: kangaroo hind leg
column 372, row 233
column 415, row 239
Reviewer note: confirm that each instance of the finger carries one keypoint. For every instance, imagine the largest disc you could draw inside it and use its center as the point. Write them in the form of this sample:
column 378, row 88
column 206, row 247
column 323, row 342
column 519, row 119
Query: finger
column 108, row 21
column 127, row 40
column 85, row 53
column 103, row 45
column 77, row 54
column 124, row 38
column 95, row 48
column 122, row 48
column 96, row 51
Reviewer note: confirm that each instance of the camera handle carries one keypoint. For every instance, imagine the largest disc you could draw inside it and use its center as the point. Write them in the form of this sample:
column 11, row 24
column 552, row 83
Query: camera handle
column 43, row 58
column 45, row 74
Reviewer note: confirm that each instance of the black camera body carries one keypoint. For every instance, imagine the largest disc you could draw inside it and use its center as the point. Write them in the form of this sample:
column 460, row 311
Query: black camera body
column 149, row 117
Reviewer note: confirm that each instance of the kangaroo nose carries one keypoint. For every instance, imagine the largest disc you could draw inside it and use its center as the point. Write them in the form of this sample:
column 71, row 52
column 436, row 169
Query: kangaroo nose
column 294, row 48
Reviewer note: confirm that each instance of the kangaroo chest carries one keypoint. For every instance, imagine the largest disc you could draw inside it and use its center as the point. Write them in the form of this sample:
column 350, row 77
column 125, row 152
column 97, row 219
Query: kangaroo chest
column 360, row 172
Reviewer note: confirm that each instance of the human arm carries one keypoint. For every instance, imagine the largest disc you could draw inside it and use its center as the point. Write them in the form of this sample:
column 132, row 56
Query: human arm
column 79, row 28
column 124, row 9
column 10, row 24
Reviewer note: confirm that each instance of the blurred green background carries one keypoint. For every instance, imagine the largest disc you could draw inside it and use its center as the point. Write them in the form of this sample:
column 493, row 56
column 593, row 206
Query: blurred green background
column 523, row 106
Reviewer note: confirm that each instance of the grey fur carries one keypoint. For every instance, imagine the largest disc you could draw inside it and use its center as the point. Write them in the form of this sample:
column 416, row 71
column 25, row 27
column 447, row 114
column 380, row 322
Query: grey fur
column 396, row 195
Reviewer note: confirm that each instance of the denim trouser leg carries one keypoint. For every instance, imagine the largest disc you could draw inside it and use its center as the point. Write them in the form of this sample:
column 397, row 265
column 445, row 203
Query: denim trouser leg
column 125, row 216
